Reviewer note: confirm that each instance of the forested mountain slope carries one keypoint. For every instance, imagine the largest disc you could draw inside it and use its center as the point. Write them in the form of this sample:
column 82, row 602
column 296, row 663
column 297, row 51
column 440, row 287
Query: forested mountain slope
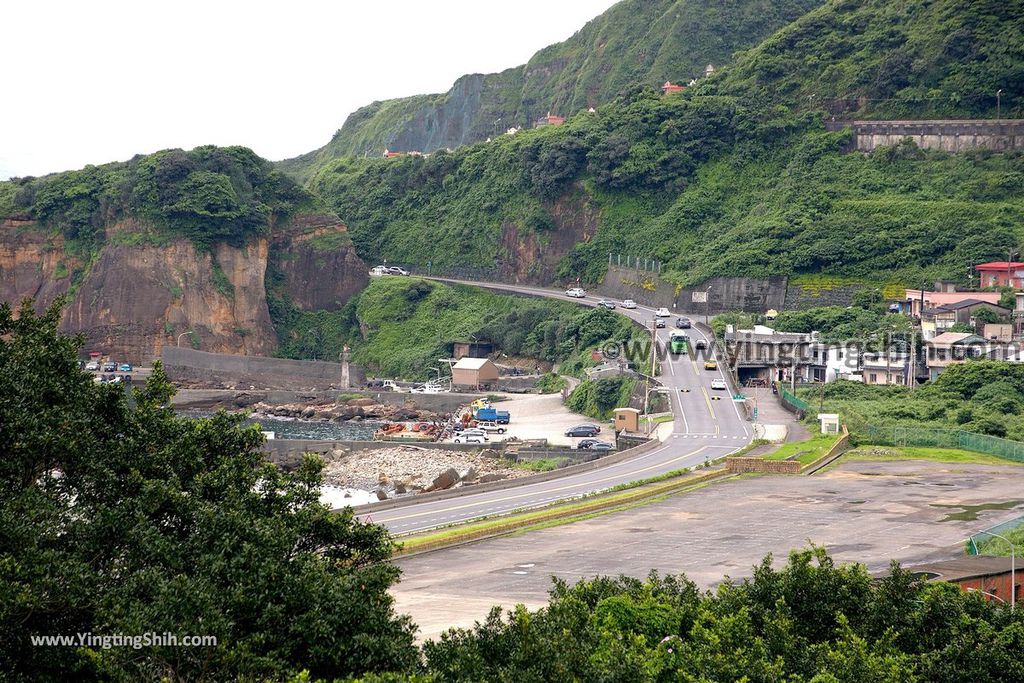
column 735, row 176
column 635, row 42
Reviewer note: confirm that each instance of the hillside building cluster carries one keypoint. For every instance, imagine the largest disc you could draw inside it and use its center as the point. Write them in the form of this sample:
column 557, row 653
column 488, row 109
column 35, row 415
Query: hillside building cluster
column 953, row 327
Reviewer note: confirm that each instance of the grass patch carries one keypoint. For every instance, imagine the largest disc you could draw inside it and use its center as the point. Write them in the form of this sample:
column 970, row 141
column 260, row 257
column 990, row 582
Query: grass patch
column 552, row 383
column 540, row 464
column 804, row 452
column 583, row 508
column 889, row 453
column 658, row 420
column 330, row 241
column 988, row 545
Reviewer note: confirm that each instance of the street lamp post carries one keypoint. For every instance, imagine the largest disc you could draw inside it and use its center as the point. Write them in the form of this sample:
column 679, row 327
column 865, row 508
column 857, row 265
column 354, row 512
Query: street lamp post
column 991, row 595
column 707, row 305
column 182, row 335
column 1013, row 568
column 999, row 104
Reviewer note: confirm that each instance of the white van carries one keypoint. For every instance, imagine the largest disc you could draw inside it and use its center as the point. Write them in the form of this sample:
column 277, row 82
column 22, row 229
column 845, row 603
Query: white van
column 662, row 313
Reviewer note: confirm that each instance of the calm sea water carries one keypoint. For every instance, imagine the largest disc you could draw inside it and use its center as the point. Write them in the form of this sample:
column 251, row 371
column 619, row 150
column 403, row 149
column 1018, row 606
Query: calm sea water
column 301, row 429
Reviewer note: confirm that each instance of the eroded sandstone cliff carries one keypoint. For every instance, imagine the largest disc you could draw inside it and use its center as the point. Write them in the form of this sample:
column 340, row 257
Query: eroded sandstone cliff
column 131, row 298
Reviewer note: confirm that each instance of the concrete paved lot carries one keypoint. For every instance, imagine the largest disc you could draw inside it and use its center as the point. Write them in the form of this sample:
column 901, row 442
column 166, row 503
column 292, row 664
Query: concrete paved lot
column 543, row 416
column 864, row 512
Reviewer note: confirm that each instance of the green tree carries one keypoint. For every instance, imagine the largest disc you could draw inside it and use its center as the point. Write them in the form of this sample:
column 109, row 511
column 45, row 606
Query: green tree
column 116, row 516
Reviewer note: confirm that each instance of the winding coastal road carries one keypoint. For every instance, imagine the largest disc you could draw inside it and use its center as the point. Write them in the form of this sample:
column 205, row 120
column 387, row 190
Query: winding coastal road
column 707, row 425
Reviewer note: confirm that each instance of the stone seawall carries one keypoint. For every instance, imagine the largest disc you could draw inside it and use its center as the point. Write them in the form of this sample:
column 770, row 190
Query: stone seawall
column 261, row 372
column 945, row 135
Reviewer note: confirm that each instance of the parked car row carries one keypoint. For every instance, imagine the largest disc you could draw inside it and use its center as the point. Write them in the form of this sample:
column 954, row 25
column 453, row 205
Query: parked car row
column 388, row 270
column 112, row 379
column 109, row 366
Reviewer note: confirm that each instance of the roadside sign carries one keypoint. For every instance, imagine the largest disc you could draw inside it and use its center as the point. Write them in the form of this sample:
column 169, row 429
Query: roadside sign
column 699, row 297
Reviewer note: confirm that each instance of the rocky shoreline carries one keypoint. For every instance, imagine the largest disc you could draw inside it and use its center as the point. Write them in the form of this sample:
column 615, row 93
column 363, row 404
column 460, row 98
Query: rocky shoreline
column 403, row 470
column 354, row 409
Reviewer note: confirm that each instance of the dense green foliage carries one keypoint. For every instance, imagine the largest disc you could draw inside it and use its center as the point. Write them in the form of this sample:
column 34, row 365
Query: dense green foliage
column 982, row 396
column 839, row 323
column 208, row 194
column 883, row 59
column 552, row 383
column 410, row 323
column 989, row 545
column 635, row 42
column 731, row 178
column 598, row 398
column 117, row 517
column 808, row 621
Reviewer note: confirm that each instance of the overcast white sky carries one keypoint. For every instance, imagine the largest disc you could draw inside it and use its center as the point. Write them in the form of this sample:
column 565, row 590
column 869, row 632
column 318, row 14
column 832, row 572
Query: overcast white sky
column 98, row 81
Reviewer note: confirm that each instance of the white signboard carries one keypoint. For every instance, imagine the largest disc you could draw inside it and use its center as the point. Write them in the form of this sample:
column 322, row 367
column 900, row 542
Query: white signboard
column 700, row 297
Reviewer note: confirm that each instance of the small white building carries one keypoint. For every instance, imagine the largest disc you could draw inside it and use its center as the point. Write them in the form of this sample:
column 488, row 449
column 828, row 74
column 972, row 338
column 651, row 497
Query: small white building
column 885, row 368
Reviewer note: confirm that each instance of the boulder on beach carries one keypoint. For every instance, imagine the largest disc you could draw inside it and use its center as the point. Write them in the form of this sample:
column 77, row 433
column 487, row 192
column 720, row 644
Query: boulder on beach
column 445, row 480
column 382, row 494
column 492, row 476
column 365, row 401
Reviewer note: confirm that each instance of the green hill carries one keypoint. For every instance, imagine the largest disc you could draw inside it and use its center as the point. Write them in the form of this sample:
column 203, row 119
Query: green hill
column 913, row 59
column 207, row 194
column 734, row 177
column 635, row 42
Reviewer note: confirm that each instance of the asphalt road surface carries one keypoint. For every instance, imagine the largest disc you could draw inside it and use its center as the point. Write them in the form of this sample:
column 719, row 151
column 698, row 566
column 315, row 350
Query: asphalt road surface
column 707, row 425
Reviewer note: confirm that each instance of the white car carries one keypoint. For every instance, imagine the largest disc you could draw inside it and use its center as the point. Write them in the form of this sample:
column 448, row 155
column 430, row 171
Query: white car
column 718, row 384
column 575, row 293
column 490, row 426
column 629, row 303
column 377, row 271
column 470, row 436
column 92, row 366
column 662, row 313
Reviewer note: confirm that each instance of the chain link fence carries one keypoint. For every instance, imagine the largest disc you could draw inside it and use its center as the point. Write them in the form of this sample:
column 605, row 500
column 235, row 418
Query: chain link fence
column 791, row 401
column 956, row 438
column 984, row 543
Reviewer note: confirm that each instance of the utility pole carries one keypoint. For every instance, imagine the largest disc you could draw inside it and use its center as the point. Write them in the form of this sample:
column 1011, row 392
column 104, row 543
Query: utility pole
column 999, row 107
column 912, row 380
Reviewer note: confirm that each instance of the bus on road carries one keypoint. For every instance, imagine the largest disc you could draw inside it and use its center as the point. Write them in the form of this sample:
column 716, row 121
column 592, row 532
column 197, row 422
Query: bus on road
column 678, row 342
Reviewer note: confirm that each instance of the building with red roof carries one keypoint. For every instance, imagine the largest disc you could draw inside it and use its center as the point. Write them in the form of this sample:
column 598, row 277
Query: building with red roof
column 1001, row 274
column 549, row 120
column 670, row 88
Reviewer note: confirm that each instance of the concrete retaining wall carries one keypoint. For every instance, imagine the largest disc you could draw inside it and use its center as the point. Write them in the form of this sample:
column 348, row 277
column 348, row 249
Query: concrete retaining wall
column 743, row 465
column 230, row 398
column 841, row 445
column 726, row 293
column 182, row 364
column 944, row 135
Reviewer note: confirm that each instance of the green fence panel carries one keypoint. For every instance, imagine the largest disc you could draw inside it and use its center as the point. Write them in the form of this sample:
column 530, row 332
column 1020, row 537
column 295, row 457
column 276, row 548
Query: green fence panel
column 956, row 438
column 980, row 540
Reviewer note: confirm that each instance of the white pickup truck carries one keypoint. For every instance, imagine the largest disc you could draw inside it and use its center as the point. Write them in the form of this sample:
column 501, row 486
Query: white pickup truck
column 491, row 427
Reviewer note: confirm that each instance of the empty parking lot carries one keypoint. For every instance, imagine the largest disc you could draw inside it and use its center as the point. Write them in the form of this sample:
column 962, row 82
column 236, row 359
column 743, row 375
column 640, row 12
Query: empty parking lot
column 866, row 512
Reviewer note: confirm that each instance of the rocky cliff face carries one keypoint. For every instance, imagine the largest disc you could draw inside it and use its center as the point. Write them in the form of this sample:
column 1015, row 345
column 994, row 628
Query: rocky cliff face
column 133, row 299
column 527, row 258
column 32, row 264
column 318, row 264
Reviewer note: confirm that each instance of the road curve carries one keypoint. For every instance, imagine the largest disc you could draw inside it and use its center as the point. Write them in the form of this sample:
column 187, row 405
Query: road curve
column 707, row 425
